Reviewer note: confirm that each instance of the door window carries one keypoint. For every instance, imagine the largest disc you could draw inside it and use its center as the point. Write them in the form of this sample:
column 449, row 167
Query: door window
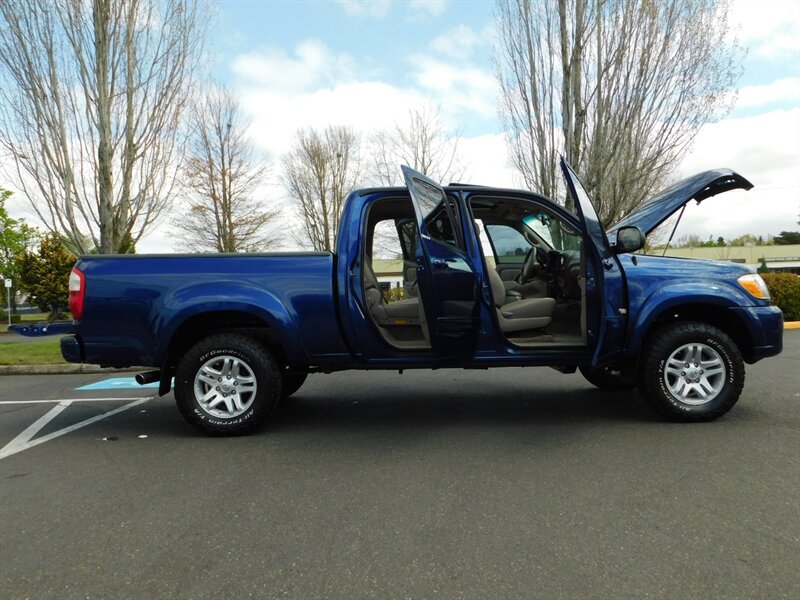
column 385, row 243
column 439, row 213
column 510, row 246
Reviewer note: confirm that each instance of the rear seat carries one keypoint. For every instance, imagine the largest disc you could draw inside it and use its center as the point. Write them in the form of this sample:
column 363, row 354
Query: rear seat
column 387, row 313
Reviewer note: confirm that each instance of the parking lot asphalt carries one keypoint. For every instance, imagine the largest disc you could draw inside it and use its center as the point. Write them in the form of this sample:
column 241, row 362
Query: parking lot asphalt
column 508, row 483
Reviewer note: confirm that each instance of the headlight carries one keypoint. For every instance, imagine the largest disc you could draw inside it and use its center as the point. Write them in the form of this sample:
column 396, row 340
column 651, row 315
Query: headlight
column 755, row 285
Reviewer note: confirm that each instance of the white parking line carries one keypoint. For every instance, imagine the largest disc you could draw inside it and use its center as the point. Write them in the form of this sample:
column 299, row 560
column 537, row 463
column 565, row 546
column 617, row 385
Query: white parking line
column 23, row 440
column 73, row 400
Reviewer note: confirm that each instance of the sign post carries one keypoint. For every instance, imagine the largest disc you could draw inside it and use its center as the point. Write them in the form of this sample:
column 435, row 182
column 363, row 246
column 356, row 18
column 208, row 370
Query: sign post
column 8, row 299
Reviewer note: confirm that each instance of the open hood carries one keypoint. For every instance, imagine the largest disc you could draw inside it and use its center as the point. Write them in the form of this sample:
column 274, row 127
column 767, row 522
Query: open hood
column 697, row 187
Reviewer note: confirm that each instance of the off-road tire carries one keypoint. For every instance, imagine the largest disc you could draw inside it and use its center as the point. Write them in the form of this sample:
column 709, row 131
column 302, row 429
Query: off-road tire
column 257, row 360
column 605, row 378
column 654, row 386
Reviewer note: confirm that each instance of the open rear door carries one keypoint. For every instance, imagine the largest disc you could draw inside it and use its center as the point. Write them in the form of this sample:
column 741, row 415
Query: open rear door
column 446, row 281
column 607, row 328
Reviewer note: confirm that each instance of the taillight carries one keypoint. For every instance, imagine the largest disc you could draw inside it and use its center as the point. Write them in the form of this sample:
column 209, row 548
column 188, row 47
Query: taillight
column 77, row 291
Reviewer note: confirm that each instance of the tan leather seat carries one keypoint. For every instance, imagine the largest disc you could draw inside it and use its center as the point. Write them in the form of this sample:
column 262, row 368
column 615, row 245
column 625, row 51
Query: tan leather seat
column 385, row 313
column 519, row 315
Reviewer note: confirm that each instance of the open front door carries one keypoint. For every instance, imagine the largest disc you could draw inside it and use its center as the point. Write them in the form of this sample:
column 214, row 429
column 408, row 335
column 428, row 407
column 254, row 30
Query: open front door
column 608, row 321
column 446, row 281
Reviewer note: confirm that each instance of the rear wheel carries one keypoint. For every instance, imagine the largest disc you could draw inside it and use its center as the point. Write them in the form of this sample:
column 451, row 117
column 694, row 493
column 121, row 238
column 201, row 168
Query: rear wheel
column 691, row 372
column 227, row 384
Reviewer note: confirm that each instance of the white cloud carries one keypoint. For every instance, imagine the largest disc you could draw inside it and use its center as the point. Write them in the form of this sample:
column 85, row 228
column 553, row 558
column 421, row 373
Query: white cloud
column 432, row 7
column 764, row 144
column 311, row 64
column 782, row 90
column 763, row 149
column 461, row 89
column 457, row 43
column 486, row 161
column 313, row 86
column 771, row 28
column 374, row 9
column 363, row 105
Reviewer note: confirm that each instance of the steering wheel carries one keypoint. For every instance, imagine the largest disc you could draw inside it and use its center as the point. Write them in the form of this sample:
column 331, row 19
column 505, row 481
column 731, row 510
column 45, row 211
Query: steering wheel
column 535, row 255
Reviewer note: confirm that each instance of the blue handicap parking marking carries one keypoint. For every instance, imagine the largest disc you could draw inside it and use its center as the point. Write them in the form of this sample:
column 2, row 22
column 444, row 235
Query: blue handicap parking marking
column 117, row 383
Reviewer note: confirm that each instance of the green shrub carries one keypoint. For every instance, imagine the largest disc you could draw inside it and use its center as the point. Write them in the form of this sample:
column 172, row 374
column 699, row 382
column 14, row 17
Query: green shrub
column 784, row 289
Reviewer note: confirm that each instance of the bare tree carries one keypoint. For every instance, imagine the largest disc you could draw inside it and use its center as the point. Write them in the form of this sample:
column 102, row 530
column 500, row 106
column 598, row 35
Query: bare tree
column 421, row 142
column 222, row 180
column 620, row 87
column 321, row 170
column 91, row 97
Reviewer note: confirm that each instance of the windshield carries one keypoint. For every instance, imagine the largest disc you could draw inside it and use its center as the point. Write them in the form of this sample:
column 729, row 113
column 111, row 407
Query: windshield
column 540, row 225
column 557, row 234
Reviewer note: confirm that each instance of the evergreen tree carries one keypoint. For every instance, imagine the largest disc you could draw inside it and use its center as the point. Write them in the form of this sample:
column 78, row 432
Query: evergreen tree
column 44, row 275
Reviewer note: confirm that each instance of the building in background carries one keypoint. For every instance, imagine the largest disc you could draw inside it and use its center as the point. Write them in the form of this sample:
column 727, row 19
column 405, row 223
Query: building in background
column 778, row 259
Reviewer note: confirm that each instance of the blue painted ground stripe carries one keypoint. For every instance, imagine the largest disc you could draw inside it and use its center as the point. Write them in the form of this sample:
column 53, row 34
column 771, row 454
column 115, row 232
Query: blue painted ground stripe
column 117, row 383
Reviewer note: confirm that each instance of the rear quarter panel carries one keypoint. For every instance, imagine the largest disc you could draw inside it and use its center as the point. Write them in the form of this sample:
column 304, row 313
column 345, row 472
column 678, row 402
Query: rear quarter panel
column 135, row 304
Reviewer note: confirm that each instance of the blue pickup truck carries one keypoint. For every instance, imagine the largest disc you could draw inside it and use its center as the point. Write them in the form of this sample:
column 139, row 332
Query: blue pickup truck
column 492, row 278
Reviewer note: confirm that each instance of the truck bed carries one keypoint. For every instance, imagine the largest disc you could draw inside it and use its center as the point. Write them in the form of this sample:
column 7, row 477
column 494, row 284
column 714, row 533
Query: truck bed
column 135, row 304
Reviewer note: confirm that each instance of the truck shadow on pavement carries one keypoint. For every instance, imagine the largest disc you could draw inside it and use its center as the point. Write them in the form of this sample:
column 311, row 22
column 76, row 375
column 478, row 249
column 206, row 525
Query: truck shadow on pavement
column 448, row 408
column 498, row 413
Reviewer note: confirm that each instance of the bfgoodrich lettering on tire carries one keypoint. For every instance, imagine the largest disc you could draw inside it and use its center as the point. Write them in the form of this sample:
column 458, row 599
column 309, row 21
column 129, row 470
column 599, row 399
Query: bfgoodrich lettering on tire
column 691, row 372
column 227, row 384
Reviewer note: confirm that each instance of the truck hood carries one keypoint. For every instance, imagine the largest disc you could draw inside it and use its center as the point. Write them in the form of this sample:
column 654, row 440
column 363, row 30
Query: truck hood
column 701, row 268
column 697, row 187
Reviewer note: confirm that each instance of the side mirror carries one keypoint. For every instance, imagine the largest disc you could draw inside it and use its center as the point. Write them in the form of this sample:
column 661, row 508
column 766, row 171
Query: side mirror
column 629, row 239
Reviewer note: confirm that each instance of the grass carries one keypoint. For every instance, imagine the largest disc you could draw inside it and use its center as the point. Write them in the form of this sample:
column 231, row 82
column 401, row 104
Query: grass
column 34, row 317
column 39, row 317
column 46, row 351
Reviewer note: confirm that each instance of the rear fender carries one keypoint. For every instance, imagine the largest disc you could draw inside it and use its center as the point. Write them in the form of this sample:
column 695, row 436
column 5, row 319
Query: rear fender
column 191, row 301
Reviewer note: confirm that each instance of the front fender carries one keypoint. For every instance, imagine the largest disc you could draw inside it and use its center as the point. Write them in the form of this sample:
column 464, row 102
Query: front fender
column 645, row 309
column 189, row 301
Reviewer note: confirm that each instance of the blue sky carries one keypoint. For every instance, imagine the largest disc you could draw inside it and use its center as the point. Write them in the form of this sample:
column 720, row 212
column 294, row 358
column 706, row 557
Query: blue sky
column 382, row 37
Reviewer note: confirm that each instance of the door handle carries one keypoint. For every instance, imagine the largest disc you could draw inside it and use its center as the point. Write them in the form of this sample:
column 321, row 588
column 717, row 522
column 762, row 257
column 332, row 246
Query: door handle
column 441, row 263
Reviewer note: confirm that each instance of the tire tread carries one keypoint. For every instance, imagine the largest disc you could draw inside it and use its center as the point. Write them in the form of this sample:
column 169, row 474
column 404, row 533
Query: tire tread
column 271, row 388
column 661, row 343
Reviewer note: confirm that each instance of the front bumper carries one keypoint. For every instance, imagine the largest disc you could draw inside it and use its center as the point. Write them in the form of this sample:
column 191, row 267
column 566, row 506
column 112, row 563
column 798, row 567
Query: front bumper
column 765, row 325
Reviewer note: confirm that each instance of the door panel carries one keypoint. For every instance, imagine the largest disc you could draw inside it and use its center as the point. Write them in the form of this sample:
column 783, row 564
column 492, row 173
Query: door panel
column 445, row 278
column 407, row 231
column 608, row 284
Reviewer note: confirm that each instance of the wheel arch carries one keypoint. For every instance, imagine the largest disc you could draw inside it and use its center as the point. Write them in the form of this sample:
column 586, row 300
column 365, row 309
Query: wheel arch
column 712, row 313
column 201, row 325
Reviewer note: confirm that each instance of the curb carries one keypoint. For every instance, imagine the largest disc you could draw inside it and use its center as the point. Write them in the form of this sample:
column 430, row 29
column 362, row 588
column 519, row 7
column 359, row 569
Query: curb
column 791, row 325
column 69, row 369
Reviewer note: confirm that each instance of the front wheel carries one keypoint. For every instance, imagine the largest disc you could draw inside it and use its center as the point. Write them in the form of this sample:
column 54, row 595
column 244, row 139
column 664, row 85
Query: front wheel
column 227, row 384
column 691, row 372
